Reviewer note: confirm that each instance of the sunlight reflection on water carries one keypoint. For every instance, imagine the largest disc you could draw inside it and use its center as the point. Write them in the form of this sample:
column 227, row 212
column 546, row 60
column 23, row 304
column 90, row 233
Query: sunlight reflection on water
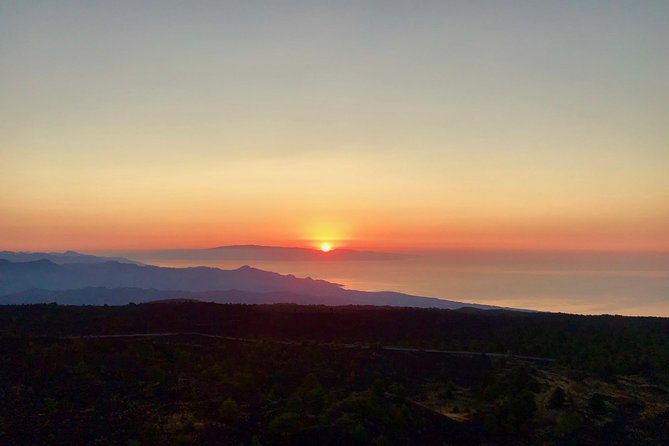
column 581, row 283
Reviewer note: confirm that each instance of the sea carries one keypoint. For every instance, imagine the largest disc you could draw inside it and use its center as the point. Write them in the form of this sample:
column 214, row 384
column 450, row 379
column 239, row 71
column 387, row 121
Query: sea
column 635, row 283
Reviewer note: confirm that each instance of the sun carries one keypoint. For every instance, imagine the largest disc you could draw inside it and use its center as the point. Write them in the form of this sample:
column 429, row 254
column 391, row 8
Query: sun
column 326, row 247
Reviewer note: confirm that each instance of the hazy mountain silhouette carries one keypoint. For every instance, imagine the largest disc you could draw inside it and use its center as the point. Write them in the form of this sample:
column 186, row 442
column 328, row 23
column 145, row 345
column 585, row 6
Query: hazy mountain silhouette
column 257, row 252
column 60, row 257
column 88, row 296
column 15, row 277
column 123, row 296
column 116, row 283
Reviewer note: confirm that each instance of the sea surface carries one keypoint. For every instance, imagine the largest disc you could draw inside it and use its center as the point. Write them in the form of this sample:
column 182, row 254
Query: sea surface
column 574, row 282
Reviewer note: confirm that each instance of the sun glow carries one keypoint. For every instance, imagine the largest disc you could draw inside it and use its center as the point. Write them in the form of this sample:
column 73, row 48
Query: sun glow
column 326, row 247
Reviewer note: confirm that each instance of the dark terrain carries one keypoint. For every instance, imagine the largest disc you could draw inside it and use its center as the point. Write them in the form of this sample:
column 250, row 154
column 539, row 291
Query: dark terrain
column 197, row 373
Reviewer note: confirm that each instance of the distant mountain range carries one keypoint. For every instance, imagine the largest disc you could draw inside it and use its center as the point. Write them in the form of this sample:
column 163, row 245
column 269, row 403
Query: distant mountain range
column 117, row 283
column 124, row 296
column 60, row 257
column 257, row 252
column 45, row 274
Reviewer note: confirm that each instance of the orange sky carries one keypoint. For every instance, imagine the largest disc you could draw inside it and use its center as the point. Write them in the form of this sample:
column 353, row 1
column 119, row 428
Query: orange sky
column 107, row 200
column 130, row 126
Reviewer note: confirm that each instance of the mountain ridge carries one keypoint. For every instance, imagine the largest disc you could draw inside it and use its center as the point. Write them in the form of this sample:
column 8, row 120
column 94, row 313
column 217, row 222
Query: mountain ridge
column 60, row 257
column 263, row 252
column 128, row 295
column 46, row 278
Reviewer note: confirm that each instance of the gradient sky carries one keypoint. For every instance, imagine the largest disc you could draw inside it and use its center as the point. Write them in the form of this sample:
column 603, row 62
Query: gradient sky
column 466, row 124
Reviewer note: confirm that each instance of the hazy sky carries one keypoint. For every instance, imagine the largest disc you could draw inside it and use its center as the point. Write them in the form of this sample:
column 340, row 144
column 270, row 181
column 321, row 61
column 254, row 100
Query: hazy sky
column 134, row 124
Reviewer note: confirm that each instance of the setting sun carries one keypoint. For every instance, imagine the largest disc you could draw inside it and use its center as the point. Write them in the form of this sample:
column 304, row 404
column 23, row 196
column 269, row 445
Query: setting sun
column 456, row 215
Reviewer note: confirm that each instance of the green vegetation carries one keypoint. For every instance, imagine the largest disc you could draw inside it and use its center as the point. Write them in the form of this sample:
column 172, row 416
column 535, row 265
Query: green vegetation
column 317, row 375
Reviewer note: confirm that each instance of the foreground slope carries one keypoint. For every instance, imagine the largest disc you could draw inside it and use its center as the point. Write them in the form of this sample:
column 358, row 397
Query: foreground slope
column 207, row 374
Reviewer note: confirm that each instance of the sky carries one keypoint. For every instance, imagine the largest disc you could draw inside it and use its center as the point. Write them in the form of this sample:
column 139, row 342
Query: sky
column 528, row 125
